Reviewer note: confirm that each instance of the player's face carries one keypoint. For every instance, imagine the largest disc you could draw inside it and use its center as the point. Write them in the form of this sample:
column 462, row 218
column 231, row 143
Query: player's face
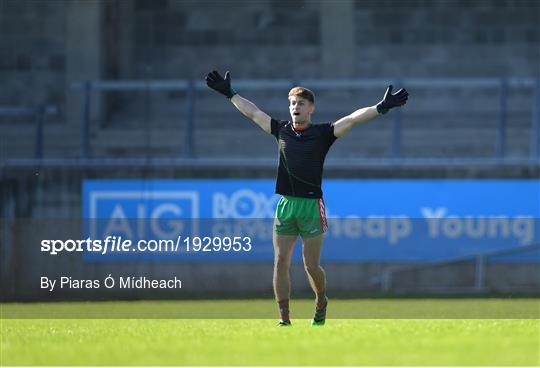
column 300, row 109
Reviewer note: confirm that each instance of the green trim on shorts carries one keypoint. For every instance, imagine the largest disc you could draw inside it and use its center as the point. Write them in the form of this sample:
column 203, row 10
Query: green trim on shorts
column 298, row 215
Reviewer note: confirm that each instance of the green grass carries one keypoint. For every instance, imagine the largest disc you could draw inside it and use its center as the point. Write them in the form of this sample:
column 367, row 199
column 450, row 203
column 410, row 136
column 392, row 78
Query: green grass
column 259, row 342
column 509, row 308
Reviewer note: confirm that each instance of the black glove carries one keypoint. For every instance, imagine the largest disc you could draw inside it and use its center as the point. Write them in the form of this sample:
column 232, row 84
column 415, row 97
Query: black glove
column 390, row 100
column 222, row 85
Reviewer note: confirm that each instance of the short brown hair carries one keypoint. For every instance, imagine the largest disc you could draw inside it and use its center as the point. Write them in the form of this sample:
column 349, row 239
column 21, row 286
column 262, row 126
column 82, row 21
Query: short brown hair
column 302, row 92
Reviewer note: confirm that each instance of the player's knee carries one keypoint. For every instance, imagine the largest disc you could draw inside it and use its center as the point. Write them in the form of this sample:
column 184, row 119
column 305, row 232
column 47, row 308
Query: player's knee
column 282, row 260
column 311, row 267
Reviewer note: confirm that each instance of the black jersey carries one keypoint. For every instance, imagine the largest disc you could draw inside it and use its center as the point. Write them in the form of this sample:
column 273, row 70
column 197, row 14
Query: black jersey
column 301, row 157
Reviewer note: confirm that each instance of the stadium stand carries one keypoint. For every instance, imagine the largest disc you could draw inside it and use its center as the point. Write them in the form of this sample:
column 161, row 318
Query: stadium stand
column 474, row 110
column 169, row 40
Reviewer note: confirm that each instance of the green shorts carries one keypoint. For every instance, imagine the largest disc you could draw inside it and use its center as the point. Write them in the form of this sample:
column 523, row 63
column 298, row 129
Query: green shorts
column 297, row 215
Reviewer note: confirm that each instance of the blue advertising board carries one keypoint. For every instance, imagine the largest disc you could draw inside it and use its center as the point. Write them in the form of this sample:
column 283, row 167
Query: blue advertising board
column 369, row 220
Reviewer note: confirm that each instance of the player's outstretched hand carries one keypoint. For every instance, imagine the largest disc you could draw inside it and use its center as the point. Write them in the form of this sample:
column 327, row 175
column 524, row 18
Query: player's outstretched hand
column 390, row 100
column 222, row 85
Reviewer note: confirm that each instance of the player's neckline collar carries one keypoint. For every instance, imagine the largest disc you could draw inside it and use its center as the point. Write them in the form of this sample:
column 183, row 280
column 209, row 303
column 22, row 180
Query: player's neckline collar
column 301, row 129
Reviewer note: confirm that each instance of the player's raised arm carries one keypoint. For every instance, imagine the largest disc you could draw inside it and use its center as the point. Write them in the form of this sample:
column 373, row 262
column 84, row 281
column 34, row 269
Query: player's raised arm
column 223, row 85
column 365, row 114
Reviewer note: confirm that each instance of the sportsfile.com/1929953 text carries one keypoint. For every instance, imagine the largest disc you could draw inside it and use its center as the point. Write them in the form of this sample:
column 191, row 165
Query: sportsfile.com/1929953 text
column 120, row 245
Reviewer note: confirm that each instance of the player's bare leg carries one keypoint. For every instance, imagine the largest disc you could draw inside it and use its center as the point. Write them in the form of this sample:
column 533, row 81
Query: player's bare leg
column 283, row 248
column 317, row 278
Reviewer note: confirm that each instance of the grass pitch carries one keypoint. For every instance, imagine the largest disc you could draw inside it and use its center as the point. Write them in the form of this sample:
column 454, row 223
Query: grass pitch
column 254, row 342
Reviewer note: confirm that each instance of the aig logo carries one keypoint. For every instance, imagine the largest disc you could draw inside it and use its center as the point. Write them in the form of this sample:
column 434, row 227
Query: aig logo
column 142, row 213
column 243, row 203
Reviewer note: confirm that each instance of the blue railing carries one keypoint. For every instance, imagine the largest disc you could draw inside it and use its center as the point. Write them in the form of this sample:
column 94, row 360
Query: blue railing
column 479, row 259
column 39, row 113
column 190, row 88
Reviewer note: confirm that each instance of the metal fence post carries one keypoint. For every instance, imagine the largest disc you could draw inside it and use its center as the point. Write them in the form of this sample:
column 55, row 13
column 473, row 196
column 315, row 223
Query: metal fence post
column 396, row 134
column 188, row 136
column 535, row 123
column 396, row 130
column 501, row 131
column 386, row 281
column 40, row 113
column 479, row 283
column 85, row 119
